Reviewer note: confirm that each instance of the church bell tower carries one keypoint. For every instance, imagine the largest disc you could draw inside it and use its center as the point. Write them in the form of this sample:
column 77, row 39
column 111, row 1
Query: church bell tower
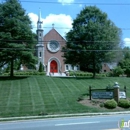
column 40, row 44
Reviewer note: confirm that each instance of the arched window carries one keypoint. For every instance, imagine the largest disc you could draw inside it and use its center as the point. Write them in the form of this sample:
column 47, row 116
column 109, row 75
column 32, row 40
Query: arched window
column 77, row 67
column 72, row 67
column 67, row 67
column 40, row 54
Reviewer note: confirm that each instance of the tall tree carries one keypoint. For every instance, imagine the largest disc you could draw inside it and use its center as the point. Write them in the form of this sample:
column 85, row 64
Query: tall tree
column 16, row 37
column 125, row 62
column 92, row 37
column 126, row 53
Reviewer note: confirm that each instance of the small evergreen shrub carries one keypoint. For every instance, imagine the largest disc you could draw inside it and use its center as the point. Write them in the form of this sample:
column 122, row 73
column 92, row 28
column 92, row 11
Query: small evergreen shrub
column 5, row 74
column 101, row 105
column 41, row 67
column 103, row 75
column 90, row 74
column 80, row 74
column 35, row 73
column 124, row 103
column 71, row 74
column 85, row 74
column 30, row 73
column 111, row 104
column 42, row 73
column 77, row 74
column 109, row 74
column 97, row 75
column 27, row 73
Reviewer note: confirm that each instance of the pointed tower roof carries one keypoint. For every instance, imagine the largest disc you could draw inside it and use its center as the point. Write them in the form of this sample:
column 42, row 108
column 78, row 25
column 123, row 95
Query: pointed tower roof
column 39, row 16
column 39, row 22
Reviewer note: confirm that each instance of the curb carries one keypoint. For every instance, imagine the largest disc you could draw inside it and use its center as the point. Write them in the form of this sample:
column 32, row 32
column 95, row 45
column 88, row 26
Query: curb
column 62, row 115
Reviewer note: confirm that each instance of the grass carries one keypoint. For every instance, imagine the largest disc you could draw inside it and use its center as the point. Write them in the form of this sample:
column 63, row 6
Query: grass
column 39, row 95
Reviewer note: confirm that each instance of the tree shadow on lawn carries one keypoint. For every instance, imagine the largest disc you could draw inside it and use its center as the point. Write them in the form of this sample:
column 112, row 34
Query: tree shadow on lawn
column 12, row 78
column 78, row 78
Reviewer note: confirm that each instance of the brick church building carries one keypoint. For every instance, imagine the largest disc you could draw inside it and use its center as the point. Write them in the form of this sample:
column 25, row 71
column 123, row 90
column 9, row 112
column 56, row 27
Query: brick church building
column 49, row 51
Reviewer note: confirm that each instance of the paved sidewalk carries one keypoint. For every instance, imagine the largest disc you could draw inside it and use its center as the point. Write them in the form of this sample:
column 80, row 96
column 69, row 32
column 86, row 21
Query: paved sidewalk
column 63, row 115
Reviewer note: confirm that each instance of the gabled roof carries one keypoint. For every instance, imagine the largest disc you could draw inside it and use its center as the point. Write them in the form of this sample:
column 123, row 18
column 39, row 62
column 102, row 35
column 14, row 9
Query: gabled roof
column 53, row 30
column 111, row 65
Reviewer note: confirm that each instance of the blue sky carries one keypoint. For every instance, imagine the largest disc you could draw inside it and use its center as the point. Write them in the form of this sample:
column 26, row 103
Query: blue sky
column 62, row 14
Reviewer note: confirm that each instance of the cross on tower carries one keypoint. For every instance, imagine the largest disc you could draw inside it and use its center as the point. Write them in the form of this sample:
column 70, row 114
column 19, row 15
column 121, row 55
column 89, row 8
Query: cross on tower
column 53, row 25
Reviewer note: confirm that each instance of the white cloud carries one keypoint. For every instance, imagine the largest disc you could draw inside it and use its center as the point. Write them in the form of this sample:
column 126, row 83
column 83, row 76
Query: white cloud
column 127, row 42
column 80, row 5
column 33, row 18
column 62, row 22
column 66, row 1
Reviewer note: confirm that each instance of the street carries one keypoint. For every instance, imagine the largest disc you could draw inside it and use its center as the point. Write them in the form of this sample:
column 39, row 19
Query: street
column 107, row 122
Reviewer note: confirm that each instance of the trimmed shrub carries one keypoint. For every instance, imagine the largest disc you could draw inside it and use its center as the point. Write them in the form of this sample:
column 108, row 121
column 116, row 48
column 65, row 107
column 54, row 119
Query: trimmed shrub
column 111, row 104
column 90, row 74
column 42, row 73
column 127, row 72
column 124, row 103
column 103, row 75
column 109, row 74
column 118, row 71
column 101, row 105
column 80, row 74
column 77, row 74
column 30, row 73
column 85, row 74
column 5, row 74
column 71, row 74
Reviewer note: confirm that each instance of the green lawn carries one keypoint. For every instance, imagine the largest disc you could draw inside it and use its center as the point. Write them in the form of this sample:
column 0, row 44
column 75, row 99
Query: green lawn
column 41, row 94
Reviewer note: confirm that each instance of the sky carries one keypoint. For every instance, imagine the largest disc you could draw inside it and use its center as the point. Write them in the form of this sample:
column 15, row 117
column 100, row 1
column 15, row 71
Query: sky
column 61, row 13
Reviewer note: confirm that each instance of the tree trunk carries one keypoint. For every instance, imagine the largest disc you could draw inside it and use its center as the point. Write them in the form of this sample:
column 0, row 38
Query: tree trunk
column 12, row 68
column 94, row 65
column 94, row 71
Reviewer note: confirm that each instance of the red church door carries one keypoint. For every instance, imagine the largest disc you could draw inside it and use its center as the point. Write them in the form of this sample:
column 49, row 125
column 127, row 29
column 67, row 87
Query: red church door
column 53, row 67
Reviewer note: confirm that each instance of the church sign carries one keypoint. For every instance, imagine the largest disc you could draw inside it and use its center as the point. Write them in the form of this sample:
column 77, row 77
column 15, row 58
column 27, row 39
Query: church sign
column 122, row 94
column 105, row 93
column 102, row 95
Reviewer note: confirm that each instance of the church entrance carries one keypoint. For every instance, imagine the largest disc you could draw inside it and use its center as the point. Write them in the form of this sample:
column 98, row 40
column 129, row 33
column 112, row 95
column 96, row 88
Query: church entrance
column 53, row 67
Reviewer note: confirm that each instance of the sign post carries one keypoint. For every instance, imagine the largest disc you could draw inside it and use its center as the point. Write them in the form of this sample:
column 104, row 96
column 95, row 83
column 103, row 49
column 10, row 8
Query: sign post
column 90, row 93
column 116, row 92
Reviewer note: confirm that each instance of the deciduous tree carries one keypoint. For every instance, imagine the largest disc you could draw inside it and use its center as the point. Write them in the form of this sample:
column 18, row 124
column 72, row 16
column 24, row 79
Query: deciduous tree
column 91, row 40
column 16, row 37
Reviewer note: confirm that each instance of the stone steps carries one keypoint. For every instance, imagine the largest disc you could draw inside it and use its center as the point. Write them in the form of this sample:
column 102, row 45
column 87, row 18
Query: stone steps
column 57, row 74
